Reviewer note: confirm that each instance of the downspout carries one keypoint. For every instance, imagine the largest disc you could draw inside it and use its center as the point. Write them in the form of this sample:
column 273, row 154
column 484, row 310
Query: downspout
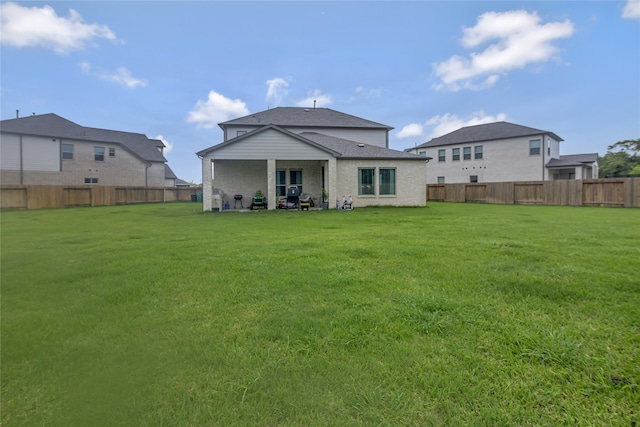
column 146, row 174
column 21, row 163
column 543, row 148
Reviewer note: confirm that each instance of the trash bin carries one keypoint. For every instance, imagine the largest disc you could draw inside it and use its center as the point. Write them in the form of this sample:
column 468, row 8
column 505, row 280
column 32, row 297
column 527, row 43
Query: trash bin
column 194, row 198
column 199, row 197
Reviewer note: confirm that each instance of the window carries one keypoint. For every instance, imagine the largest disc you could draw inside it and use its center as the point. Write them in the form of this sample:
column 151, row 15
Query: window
column 534, row 147
column 366, row 185
column 455, row 154
column 241, row 132
column 441, row 180
column 423, row 153
column 91, row 180
column 281, row 183
column 112, row 152
column 441, row 155
column 477, row 152
column 67, row 151
column 466, row 152
column 473, row 178
column 295, row 178
column 387, row 182
column 98, row 154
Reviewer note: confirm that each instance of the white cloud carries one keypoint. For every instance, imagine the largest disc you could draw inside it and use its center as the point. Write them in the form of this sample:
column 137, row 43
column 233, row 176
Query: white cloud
column 216, row 109
column 447, row 123
column 632, row 10
column 277, row 88
column 519, row 39
column 316, row 96
column 360, row 90
column 29, row 27
column 122, row 76
column 168, row 146
column 411, row 130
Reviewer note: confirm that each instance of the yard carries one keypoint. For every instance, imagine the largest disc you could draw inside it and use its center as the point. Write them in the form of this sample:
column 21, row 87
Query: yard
column 452, row 314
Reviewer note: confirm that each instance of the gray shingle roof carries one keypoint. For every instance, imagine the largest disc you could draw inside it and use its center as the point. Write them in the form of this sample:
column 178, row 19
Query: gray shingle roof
column 485, row 132
column 573, row 160
column 338, row 147
column 354, row 150
column 52, row 125
column 302, row 117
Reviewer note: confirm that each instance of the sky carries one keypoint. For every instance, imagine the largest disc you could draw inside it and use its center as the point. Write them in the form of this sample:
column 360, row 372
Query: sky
column 173, row 70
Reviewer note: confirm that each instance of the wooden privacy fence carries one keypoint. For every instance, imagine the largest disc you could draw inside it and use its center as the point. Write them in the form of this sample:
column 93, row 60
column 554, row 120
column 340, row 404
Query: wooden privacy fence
column 622, row 192
column 62, row 196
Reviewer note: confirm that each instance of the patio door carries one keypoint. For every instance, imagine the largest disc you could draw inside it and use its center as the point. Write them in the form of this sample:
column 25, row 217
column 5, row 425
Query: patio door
column 295, row 178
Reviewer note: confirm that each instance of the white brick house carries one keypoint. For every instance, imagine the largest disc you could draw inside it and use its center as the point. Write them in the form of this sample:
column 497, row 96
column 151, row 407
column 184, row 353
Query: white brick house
column 48, row 149
column 502, row 152
column 313, row 149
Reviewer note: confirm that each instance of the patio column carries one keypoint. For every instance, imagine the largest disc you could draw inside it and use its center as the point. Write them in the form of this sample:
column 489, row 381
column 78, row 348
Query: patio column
column 271, row 184
column 207, row 187
column 332, row 166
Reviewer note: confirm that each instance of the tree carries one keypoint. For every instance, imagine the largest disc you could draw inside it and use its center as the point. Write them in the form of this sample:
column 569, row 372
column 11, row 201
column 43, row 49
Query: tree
column 626, row 145
column 620, row 163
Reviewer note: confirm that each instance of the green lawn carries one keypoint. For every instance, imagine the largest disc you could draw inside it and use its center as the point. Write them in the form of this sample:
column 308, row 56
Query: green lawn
column 453, row 314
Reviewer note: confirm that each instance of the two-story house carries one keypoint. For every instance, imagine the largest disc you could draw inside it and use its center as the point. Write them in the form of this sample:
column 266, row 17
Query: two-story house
column 502, row 152
column 49, row 149
column 312, row 149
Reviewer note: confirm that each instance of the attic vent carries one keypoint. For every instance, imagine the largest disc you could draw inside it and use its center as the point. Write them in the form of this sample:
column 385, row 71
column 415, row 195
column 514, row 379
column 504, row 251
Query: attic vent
column 306, row 109
column 361, row 145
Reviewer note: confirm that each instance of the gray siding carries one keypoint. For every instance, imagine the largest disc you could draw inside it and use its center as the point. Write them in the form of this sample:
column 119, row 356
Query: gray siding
column 9, row 152
column 377, row 137
column 270, row 144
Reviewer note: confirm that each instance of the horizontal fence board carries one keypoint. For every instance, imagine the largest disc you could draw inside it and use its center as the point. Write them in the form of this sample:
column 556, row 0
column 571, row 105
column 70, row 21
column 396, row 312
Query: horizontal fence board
column 62, row 196
column 623, row 192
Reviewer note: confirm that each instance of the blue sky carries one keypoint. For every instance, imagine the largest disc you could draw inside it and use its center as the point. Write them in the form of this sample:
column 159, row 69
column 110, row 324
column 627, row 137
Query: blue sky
column 173, row 70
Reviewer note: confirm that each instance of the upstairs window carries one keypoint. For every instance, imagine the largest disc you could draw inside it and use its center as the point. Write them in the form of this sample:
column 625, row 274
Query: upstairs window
column 423, row 153
column 98, row 154
column 473, row 178
column 534, row 147
column 466, row 152
column 67, row 151
column 477, row 152
column 441, row 180
column 112, row 152
column 455, row 154
column 441, row 155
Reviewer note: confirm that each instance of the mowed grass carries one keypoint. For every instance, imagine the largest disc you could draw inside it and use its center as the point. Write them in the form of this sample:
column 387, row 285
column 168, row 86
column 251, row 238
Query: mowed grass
column 452, row 314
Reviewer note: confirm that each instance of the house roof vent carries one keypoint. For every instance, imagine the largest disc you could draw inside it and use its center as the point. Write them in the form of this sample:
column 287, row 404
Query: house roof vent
column 306, row 109
column 361, row 145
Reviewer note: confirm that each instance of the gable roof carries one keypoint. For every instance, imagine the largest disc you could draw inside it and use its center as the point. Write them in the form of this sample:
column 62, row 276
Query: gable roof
column 254, row 132
column 573, row 160
column 52, row 125
column 485, row 132
column 337, row 147
column 304, row 117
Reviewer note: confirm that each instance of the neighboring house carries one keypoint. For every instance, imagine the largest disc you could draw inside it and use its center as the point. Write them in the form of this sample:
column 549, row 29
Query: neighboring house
column 502, row 152
column 313, row 149
column 48, row 149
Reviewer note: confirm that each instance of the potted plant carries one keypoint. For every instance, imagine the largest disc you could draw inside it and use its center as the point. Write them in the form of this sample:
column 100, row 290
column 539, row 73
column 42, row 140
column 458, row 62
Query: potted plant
column 325, row 199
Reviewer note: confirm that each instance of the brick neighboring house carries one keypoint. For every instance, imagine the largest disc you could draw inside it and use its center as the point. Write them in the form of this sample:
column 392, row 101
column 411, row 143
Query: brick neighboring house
column 49, row 149
column 313, row 149
column 502, row 152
